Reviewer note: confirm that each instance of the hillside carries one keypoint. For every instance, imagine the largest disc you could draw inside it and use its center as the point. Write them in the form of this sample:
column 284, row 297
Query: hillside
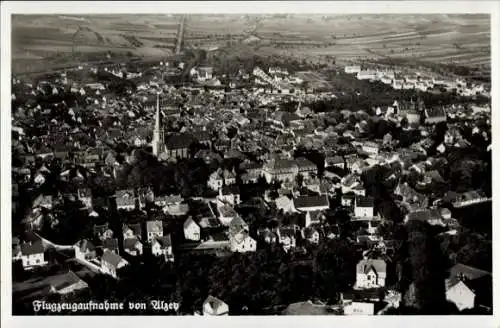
column 445, row 39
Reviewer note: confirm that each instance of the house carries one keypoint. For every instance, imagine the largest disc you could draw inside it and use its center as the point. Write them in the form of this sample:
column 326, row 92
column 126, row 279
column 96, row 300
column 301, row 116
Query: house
column 229, row 177
column 216, row 181
column 111, row 263
column 33, row 254
column 168, row 200
column 335, row 161
column 287, row 237
column 370, row 147
column 285, row 204
column 192, row 230
column 154, row 229
column 178, row 145
column 132, row 246
column 311, row 203
column 347, row 200
column 85, row 250
column 311, row 234
column 125, row 200
column 431, row 216
column 132, row 231
column 306, row 167
column 363, row 207
column 355, row 69
column 280, row 170
column 458, row 293
column 241, row 242
column 226, row 213
column 214, row 306
column 266, row 235
column 435, row 115
column 85, row 196
column 103, row 232
column 230, row 194
column 370, row 273
column 314, row 217
column 67, row 283
column 110, row 245
column 43, row 201
column 162, row 246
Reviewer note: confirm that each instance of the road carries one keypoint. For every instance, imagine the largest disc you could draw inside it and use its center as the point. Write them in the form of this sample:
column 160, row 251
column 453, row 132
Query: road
column 180, row 35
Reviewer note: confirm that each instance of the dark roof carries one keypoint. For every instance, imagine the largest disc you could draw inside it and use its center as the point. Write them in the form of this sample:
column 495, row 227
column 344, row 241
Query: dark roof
column 364, row 201
column 85, row 245
column 164, row 241
column 110, row 243
column 64, row 280
column 111, row 258
column 424, row 215
column 130, row 243
column 469, row 272
column 30, row 248
column 179, row 141
column 310, row 201
column 228, row 190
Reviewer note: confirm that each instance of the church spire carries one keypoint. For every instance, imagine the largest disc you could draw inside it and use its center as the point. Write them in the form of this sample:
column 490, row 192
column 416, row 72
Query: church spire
column 157, row 133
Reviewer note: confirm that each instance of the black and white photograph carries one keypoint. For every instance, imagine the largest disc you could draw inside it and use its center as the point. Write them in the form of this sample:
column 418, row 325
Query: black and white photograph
column 195, row 163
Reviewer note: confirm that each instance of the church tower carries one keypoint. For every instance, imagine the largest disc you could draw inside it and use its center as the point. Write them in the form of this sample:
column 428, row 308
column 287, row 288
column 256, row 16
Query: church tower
column 157, row 141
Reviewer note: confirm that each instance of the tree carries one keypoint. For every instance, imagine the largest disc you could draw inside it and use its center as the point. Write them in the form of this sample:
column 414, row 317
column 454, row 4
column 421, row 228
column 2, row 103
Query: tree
column 424, row 273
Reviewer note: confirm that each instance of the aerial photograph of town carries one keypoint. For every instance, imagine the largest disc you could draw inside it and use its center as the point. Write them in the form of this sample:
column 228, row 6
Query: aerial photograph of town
column 251, row 164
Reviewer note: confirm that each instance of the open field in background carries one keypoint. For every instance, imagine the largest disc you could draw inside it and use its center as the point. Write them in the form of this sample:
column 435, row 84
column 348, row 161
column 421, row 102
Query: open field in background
column 445, row 39
column 49, row 38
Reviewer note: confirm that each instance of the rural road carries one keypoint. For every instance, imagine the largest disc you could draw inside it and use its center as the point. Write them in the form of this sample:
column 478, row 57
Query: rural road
column 180, row 35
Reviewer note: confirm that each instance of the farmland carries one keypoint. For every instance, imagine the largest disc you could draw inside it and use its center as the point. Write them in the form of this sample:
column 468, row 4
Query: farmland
column 462, row 40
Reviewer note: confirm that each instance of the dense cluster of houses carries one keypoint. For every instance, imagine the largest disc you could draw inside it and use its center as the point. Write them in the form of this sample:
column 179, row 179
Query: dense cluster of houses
column 270, row 135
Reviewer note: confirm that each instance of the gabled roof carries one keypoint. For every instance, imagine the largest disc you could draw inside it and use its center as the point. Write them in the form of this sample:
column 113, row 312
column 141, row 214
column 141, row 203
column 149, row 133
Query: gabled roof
column 130, row 243
column 364, row 201
column 112, row 258
column 110, row 243
column 214, row 304
column 311, row 201
column 154, row 226
column 65, row 280
column 164, row 241
column 85, row 245
column 237, row 225
column 31, row 248
column 468, row 272
column 364, row 266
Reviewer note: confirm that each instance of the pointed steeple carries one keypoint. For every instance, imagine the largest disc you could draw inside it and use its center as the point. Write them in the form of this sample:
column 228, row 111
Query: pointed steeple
column 157, row 141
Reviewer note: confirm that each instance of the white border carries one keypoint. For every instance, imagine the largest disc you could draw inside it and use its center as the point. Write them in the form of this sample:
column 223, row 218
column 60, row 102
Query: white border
column 304, row 7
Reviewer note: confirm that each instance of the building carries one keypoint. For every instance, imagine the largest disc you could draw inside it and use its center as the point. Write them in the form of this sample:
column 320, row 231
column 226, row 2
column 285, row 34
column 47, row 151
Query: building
column 125, row 199
column 280, row 170
column 435, row 115
column 230, row 195
column 460, row 294
column 311, row 203
column 370, row 274
column 85, row 250
column 370, row 147
column 355, row 69
column 67, row 283
column 366, row 75
column 132, row 246
column 162, row 246
column 192, row 230
column 287, row 237
column 214, row 306
column 33, row 255
column 111, row 263
column 158, row 141
column 154, row 229
column 363, row 207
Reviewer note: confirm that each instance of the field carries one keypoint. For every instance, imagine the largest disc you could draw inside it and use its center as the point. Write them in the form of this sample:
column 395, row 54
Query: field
column 441, row 39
